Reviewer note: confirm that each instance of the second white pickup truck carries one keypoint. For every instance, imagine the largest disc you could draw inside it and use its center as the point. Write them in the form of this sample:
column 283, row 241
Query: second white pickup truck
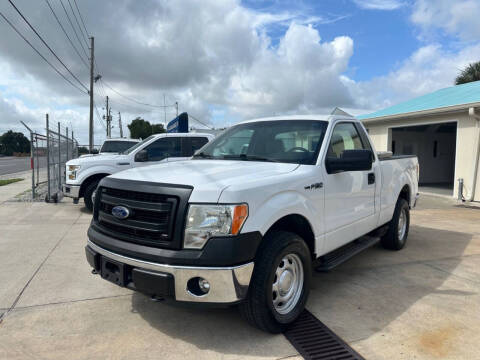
column 84, row 173
column 248, row 217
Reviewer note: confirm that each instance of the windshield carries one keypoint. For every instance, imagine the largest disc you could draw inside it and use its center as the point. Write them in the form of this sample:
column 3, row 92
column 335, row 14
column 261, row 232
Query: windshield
column 113, row 146
column 289, row 141
column 137, row 145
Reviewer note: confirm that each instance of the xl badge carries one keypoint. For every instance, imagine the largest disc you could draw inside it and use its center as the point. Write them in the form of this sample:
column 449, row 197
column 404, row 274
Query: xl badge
column 121, row 212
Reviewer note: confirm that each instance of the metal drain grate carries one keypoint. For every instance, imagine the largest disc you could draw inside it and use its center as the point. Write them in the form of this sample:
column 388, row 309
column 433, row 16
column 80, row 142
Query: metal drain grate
column 314, row 341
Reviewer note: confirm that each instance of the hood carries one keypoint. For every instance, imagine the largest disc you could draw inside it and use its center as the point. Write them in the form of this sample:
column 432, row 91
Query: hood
column 208, row 177
column 98, row 159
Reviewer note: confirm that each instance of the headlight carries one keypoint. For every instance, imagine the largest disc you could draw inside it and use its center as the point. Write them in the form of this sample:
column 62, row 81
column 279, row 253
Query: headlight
column 206, row 221
column 72, row 171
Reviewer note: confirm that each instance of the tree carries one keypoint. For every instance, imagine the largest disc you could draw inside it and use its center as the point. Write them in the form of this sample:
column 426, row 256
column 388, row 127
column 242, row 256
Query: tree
column 82, row 150
column 469, row 74
column 14, row 142
column 140, row 129
column 158, row 129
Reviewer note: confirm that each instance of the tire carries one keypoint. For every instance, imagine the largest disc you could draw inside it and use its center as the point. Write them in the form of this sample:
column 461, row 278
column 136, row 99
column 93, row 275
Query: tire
column 396, row 236
column 282, row 253
column 87, row 196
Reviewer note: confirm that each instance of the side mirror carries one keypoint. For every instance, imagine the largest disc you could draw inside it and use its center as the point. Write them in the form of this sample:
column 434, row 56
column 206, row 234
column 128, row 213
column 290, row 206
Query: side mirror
column 350, row 160
column 141, row 156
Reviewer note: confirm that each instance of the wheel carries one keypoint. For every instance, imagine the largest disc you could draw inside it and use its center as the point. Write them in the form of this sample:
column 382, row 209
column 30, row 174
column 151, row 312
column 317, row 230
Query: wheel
column 280, row 282
column 89, row 195
column 396, row 236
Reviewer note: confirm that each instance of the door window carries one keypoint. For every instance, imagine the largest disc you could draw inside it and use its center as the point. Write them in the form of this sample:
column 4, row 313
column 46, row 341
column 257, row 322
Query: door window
column 164, row 148
column 195, row 144
column 345, row 137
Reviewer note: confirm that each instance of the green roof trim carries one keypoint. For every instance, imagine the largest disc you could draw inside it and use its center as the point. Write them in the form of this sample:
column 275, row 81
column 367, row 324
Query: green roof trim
column 451, row 96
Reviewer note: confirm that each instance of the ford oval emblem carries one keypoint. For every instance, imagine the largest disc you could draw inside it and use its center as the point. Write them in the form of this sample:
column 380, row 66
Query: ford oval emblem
column 121, row 212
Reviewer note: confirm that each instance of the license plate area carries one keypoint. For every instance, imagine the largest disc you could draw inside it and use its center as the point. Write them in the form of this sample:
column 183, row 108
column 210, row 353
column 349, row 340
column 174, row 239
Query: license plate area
column 113, row 271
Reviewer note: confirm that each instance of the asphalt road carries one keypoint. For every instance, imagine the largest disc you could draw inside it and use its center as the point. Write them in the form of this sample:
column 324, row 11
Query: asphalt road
column 11, row 164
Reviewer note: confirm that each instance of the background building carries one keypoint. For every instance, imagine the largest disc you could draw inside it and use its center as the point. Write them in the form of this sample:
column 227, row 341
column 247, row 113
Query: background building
column 443, row 129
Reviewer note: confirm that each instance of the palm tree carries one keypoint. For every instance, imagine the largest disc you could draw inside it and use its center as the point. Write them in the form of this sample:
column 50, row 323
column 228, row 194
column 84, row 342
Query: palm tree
column 469, row 74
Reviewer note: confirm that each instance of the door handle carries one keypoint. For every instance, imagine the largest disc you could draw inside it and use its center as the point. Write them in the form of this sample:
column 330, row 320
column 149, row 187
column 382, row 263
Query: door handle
column 371, row 178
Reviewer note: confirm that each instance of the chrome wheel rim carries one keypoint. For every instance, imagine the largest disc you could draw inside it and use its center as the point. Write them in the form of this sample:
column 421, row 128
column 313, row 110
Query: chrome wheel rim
column 287, row 284
column 402, row 224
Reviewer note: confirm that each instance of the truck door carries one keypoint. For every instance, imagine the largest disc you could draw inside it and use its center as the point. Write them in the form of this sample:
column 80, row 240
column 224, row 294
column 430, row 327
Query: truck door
column 349, row 195
column 190, row 144
column 161, row 150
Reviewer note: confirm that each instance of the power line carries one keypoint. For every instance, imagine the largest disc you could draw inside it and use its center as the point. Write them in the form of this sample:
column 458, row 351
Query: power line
column 132, row 99
column 81, row 17
column 75, row 31
column 194, row 118
column 40, row 54
column 99, row 117
column 78, row 24
column 65, row 32
column 49, row 48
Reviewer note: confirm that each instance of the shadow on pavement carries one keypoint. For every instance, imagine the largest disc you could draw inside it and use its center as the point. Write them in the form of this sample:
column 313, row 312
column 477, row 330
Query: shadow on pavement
column 220, row 330
column 364, row 295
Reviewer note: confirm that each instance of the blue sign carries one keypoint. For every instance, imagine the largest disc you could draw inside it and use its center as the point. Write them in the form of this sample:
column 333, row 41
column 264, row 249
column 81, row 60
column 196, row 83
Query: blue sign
column 179, row 124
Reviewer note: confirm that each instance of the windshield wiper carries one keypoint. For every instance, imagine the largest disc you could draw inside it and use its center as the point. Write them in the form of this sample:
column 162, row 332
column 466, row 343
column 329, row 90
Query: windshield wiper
column 203, row 155
column 253, row 158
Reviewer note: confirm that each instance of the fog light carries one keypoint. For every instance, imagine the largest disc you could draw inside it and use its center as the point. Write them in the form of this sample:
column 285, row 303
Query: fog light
column 198, row 286
column 204, row 285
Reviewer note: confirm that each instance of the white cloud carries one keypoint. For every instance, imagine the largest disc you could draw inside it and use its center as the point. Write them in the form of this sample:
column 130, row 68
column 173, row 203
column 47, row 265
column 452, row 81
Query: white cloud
column 429, row 68
column 209, row 54
column 379, row 4
column 458, row 18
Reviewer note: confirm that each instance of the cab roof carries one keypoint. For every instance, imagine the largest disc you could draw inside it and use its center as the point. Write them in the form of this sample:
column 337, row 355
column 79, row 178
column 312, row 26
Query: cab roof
column 319, row 117
column 184, row 135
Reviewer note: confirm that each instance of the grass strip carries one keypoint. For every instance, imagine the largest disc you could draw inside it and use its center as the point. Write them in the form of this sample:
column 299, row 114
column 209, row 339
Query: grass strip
column 9, row 181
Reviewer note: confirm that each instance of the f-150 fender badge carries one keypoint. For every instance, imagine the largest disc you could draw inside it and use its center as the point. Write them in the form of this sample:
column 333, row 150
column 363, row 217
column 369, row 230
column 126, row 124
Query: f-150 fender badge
column 314, row 186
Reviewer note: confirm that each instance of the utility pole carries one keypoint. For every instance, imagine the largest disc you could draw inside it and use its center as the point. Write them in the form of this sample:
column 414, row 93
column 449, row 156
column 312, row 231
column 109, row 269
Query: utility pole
column 107, row 118
column 165, row 110
column 120, row 124
column 90, row 130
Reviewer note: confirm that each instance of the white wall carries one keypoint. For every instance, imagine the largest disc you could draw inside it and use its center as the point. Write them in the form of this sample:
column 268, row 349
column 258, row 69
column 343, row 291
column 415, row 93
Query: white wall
column 381, row 134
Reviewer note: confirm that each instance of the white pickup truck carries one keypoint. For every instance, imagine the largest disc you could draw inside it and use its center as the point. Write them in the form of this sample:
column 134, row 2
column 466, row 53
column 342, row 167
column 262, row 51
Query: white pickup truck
column 114, row 146
column 84, row 173
column 248, row 217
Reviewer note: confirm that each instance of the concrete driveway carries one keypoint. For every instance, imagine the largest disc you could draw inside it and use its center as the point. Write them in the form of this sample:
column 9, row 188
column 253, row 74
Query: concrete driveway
column 422, row 302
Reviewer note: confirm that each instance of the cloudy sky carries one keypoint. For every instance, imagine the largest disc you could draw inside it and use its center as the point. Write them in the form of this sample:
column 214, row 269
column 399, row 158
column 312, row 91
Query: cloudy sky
column 224, row 61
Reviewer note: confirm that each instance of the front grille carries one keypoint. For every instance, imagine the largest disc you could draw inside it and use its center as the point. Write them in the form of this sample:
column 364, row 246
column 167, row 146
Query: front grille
column 151, row 219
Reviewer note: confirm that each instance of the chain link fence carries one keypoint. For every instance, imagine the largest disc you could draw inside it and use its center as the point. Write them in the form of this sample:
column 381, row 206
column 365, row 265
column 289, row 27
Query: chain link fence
column 49, row 154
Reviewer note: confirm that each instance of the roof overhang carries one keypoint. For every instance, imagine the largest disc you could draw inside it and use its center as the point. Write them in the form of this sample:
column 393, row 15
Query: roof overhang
column 436, row 111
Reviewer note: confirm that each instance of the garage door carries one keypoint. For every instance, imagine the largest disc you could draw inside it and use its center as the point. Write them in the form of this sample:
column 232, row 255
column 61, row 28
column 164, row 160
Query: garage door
column 435, row 146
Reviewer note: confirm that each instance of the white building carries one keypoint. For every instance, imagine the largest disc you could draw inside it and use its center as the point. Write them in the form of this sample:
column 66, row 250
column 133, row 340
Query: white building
column 443, row 129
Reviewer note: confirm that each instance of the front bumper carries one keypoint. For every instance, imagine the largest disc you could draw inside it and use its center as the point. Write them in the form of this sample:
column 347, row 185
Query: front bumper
column 72, row 191
column 227, row 284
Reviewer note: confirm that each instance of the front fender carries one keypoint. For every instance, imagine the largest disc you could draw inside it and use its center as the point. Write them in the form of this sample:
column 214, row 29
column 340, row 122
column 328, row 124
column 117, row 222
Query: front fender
column 94, row 170
column 263, row 216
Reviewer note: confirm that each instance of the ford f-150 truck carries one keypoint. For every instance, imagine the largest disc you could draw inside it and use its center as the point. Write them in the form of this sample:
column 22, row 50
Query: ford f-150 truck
column 83, row 174
column 114, row 146
column 248, row 217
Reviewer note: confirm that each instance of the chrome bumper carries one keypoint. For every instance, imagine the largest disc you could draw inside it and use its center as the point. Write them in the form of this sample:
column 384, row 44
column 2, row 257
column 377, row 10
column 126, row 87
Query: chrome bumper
column 227, row 284
column 72, row 191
